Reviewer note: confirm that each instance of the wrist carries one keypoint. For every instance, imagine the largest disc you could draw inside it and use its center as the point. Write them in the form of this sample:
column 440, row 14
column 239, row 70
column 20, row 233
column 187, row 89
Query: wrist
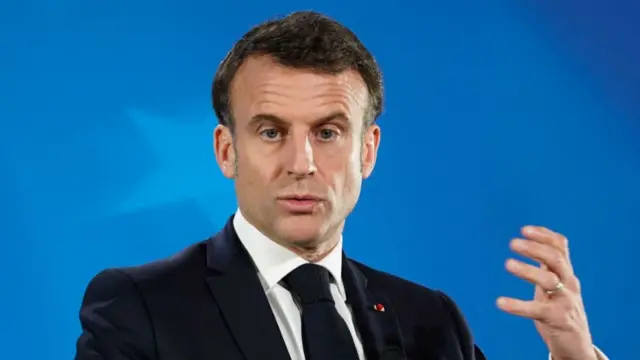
column 592, row 355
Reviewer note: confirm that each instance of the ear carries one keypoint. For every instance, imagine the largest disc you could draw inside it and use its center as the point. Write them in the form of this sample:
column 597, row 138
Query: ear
column 224, row 150
column 370, row 145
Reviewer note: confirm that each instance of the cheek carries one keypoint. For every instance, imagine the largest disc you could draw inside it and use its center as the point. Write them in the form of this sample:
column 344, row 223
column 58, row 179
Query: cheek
column 353, row 176
column 343, row 169
column 254, row 167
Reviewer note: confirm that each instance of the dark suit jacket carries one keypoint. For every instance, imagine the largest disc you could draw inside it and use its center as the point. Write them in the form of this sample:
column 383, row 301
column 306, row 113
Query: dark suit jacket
column 207, row 303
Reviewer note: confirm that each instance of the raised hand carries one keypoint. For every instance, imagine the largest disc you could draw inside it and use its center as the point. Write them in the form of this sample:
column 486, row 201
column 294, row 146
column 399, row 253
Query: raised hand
column 557, row 308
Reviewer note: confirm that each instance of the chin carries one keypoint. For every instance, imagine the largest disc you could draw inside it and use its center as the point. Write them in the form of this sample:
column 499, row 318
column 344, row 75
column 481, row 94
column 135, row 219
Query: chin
column 301, row 229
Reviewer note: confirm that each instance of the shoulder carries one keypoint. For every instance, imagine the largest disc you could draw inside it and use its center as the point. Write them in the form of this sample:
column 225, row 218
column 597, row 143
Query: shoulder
column 158, row 275
column 189, row 260
column 414, row 301
column 122, row 300
column 399, row 287
column 425, row 313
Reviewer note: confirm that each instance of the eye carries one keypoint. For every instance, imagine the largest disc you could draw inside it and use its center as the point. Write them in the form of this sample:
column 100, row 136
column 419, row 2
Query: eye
column 327, row 134
column 270, row 134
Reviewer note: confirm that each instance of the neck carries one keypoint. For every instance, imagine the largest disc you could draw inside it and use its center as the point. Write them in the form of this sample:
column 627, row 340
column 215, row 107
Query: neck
column 315, row 251
column 312, row 250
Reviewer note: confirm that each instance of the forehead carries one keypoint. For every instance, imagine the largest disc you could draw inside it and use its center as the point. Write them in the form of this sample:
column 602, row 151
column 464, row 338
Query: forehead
column 262, row 85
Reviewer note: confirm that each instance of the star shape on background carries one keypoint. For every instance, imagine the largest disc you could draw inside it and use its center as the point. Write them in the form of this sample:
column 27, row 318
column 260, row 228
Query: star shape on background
column 186, row 169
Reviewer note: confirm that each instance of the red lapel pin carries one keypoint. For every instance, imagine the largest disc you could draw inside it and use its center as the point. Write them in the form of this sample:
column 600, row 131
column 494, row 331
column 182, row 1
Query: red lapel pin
column 378, row 307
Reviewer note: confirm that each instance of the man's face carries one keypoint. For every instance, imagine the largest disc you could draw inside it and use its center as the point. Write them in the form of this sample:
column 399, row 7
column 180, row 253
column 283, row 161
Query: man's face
column 299, row 151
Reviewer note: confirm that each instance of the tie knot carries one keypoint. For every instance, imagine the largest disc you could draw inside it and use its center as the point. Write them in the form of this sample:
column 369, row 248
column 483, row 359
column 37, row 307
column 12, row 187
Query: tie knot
column 311, row 283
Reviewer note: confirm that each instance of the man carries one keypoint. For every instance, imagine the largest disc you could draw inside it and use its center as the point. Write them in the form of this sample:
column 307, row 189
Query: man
column 297, row 99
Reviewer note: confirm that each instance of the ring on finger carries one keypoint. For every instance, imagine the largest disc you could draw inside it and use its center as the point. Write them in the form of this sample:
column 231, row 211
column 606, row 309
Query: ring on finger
column 558, row 287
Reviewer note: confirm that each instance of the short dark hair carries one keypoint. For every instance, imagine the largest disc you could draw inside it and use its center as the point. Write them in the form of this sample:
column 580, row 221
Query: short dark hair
column 301, row 40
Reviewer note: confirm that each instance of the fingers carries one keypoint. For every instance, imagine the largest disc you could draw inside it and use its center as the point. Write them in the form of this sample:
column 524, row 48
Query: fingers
column 534, row 310
column 561, row 310
column 566, row 314
column 537, row 276
column 546, row 254
column 546, row 236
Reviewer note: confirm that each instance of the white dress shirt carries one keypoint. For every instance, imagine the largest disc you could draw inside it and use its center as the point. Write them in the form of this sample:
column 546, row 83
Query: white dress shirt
column 273, row 262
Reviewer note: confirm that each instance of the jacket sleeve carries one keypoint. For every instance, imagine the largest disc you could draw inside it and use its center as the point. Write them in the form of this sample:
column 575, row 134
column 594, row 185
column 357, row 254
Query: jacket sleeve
column 468, row 349
column 114, row 319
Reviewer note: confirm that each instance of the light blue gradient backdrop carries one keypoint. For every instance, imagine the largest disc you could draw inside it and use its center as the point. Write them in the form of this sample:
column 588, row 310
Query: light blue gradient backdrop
column 499, row 114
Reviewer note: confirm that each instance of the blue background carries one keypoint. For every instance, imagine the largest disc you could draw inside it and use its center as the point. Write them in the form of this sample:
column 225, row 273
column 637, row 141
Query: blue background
column 498, row 114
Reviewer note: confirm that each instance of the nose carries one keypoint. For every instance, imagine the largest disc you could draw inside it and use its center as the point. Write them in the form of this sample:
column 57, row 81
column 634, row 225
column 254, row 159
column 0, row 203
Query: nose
column 301, row 156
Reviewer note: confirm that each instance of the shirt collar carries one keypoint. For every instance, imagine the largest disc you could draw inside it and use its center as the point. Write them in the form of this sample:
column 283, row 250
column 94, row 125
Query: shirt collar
column 274, row 261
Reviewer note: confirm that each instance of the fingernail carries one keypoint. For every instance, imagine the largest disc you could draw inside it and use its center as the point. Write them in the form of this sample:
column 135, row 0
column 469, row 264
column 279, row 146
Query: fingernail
column 519, row 244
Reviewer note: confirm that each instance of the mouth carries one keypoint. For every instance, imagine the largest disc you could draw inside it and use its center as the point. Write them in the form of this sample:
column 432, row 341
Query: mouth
column 303, row 197
column 301, row 204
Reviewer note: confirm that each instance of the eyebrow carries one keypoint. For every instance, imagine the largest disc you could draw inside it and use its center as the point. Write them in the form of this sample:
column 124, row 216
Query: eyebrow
column 336, row 115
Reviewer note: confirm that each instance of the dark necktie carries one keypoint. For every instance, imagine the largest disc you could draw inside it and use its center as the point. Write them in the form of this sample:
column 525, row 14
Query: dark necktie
column 325, row 334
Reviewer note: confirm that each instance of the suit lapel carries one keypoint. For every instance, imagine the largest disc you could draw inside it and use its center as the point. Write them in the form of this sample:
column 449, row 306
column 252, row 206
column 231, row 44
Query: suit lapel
column 244, row 306
column 375, row 319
